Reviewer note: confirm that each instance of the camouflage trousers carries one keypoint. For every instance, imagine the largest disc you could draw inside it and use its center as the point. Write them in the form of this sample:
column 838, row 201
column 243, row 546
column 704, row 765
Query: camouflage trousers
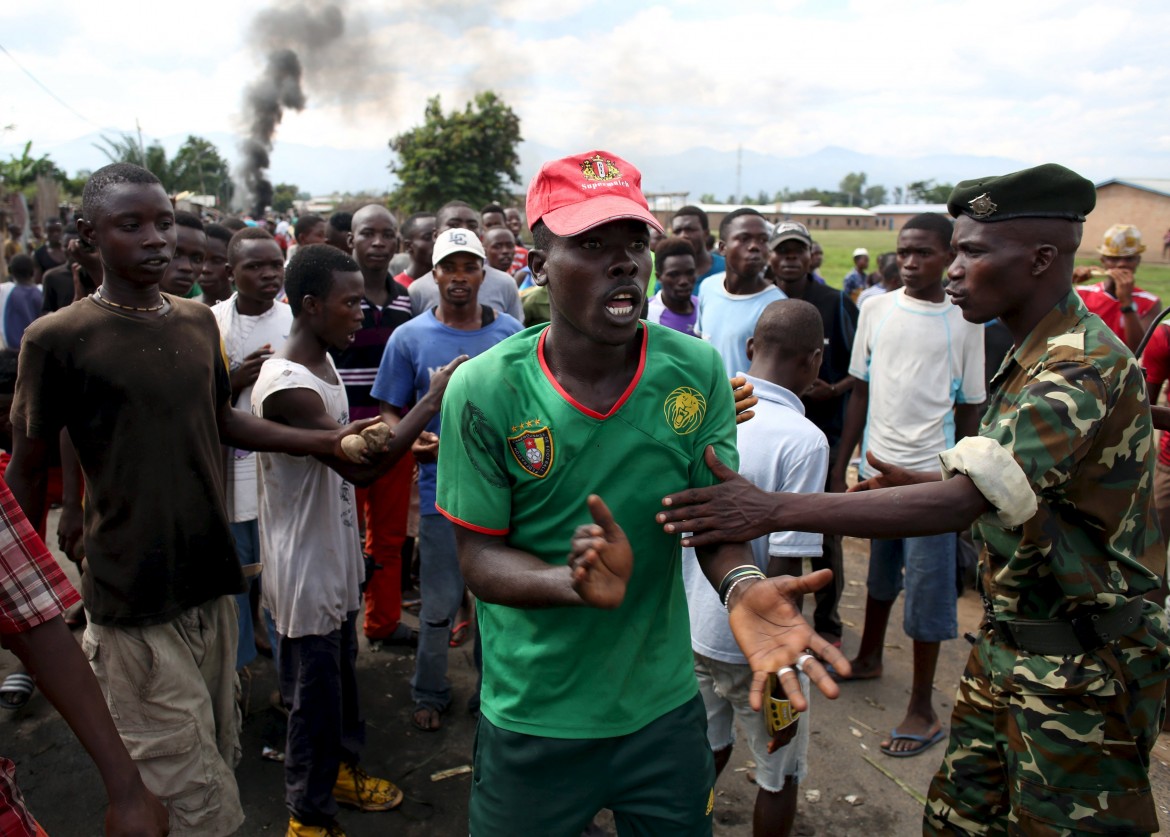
column 1047, row 746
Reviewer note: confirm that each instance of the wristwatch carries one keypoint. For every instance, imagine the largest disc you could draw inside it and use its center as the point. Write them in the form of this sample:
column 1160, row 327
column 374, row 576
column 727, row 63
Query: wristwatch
column 1129, row 309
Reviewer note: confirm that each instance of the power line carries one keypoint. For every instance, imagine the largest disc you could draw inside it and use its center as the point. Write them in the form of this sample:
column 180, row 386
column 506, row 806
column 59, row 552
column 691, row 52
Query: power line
column 39, row 84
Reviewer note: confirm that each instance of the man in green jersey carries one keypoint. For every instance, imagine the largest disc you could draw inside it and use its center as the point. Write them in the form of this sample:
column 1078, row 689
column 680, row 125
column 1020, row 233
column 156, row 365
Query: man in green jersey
column 589, row 695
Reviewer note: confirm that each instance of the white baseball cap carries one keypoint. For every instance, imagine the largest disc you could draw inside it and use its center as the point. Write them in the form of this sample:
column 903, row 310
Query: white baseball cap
column 860, row 251
column 457, row 240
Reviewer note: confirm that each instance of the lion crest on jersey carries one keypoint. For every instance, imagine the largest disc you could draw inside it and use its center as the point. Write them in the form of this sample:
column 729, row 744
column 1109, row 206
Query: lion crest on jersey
column 685, row 409
column 533, row 451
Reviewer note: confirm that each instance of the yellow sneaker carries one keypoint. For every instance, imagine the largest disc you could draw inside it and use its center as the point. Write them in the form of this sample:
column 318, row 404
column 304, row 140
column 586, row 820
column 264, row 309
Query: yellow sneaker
column 356, row 788
column 296, row 828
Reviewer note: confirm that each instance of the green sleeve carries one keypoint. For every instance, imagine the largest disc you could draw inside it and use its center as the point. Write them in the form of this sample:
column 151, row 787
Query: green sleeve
column 473, row 488
column 718, row 427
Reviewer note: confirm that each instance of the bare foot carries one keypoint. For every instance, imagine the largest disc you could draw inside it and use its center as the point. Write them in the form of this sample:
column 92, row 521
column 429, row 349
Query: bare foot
column 426, row 718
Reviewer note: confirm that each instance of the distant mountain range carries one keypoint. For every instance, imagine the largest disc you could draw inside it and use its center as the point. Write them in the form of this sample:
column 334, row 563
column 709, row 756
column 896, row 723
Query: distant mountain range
column 696, row 171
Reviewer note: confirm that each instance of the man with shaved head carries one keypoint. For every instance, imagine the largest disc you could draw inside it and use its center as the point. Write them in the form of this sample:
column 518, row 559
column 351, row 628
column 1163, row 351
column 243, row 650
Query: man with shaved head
column 1060, row 703
column 384, row 505
column 779, row 450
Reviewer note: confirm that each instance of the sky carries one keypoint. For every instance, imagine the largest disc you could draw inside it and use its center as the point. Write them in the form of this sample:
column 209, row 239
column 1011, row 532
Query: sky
column 1081, row 83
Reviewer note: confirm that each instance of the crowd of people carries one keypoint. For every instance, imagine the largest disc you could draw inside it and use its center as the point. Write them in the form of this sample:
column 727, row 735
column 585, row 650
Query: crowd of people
column 618, row 458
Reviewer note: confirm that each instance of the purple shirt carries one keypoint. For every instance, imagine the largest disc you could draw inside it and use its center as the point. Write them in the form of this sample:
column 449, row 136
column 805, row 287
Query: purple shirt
column 657, row 312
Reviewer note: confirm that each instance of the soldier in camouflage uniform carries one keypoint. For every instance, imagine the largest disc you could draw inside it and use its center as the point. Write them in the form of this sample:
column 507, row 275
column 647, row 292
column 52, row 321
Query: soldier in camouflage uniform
column 1061, row 700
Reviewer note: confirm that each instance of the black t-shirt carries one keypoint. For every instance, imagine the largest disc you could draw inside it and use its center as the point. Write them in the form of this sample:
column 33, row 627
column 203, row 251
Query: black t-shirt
column 57, row 285
column 44, row 261
column 139, row 399
column 839, row 315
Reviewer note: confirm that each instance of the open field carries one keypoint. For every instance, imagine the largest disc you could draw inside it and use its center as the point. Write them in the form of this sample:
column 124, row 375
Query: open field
column 839, row 244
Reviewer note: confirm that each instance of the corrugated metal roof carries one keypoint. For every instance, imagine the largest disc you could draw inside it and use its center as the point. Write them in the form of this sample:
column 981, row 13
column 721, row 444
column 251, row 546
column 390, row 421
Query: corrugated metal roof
column 908, row 208
column 1160, row 185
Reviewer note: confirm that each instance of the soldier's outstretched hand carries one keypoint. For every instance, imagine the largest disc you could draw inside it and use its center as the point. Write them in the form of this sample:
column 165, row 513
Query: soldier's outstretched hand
column 600, row 558
column 773, row 635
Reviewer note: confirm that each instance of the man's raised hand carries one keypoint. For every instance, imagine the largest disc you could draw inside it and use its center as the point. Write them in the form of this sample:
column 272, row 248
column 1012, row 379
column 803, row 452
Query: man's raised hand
column 772, row 634
column 600, row 558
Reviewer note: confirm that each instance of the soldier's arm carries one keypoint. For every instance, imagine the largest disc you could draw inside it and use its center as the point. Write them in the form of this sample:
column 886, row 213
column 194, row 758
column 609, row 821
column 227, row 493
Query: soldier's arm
column 735, row 510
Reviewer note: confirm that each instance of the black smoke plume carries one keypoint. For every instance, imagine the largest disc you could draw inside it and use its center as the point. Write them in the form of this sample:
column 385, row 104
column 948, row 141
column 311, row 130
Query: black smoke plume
column 295, row 35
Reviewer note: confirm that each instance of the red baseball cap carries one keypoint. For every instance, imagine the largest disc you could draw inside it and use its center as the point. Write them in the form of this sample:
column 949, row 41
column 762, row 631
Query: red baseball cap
column 577, row 193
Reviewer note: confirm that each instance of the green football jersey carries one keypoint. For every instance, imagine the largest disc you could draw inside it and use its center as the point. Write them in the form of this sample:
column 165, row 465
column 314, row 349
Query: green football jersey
column 525, row 457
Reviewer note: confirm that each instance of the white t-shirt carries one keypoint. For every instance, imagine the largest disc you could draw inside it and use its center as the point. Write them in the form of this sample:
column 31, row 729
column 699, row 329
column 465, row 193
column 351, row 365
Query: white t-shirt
column 727, row 320
column 241, row 336
column 309, row 539
column 920, row 359
column 779, row 450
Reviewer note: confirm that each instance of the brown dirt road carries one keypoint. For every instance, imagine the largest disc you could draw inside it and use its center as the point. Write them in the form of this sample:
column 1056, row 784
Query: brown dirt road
column 65, row 792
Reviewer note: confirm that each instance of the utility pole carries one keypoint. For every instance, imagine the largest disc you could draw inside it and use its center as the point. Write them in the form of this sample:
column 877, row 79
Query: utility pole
column 739, row 174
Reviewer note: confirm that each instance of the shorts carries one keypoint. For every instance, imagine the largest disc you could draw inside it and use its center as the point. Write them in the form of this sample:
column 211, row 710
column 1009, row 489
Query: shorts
column 926, row 568
column 657, row 780
column 724, row 688
column 171, row 690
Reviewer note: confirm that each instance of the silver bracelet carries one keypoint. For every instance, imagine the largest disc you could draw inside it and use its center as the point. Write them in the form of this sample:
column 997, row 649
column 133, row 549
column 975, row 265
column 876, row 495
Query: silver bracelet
column 736, row 583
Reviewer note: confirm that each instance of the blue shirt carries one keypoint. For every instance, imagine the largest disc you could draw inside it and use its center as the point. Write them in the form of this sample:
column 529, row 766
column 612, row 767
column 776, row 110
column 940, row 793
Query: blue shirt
column 855, row 281
column 727, row 320
column 718, row 265
column 416, row 351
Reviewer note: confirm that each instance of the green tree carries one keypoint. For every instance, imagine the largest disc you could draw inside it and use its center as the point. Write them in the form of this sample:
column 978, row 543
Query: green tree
column 198, row 167
column 126, row 148
column 283, row 195
column 873, row 196
column 853, row 185
column 706, row 197
column 467, row 155
column 927, row 191
column 19, row 174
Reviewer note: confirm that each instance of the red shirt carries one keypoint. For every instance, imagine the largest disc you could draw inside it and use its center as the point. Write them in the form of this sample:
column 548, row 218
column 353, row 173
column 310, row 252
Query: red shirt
column 404, row 279
column 1105, row 305
column 519, row 260
column 1156, row 361
column 33, row 590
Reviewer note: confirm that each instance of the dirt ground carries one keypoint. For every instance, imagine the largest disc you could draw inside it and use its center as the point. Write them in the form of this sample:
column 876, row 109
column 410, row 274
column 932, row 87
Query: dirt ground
column 852, row 796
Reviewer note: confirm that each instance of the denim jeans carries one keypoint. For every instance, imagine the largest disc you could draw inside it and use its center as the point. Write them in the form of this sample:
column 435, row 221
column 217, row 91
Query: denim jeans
column 925, row 567
column 247, row 537
column 441, row 587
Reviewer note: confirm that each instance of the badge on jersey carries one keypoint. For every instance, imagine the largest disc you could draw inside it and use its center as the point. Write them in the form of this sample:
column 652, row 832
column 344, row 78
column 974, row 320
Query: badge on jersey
column 684, row 409
column 533, row 450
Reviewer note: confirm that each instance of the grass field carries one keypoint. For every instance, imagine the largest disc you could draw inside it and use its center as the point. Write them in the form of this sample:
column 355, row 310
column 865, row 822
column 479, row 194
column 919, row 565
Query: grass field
column 839, row 246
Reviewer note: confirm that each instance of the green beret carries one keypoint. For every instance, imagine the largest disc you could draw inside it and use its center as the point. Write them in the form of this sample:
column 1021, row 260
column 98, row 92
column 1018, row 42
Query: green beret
column 1047, row 191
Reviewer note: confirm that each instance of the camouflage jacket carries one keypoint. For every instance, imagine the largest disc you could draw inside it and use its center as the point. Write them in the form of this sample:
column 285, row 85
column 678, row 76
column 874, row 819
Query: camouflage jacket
column 1070, row 406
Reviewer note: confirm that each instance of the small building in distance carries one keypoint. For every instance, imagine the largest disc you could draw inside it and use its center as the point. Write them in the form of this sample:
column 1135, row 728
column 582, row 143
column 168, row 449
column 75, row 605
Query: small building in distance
column 810, row 213
column 893, row 215
column 1141, row 201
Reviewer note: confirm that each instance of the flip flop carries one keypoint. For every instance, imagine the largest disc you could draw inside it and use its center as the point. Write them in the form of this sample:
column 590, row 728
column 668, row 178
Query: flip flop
column 840, row 678
column 459, row 633
column 16, row 691
column 925, row 742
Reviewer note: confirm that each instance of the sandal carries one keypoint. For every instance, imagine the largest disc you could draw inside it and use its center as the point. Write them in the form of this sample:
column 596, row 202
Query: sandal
column 403, row 636
column 431, row 723
column 16, row 690
column 459, row 633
